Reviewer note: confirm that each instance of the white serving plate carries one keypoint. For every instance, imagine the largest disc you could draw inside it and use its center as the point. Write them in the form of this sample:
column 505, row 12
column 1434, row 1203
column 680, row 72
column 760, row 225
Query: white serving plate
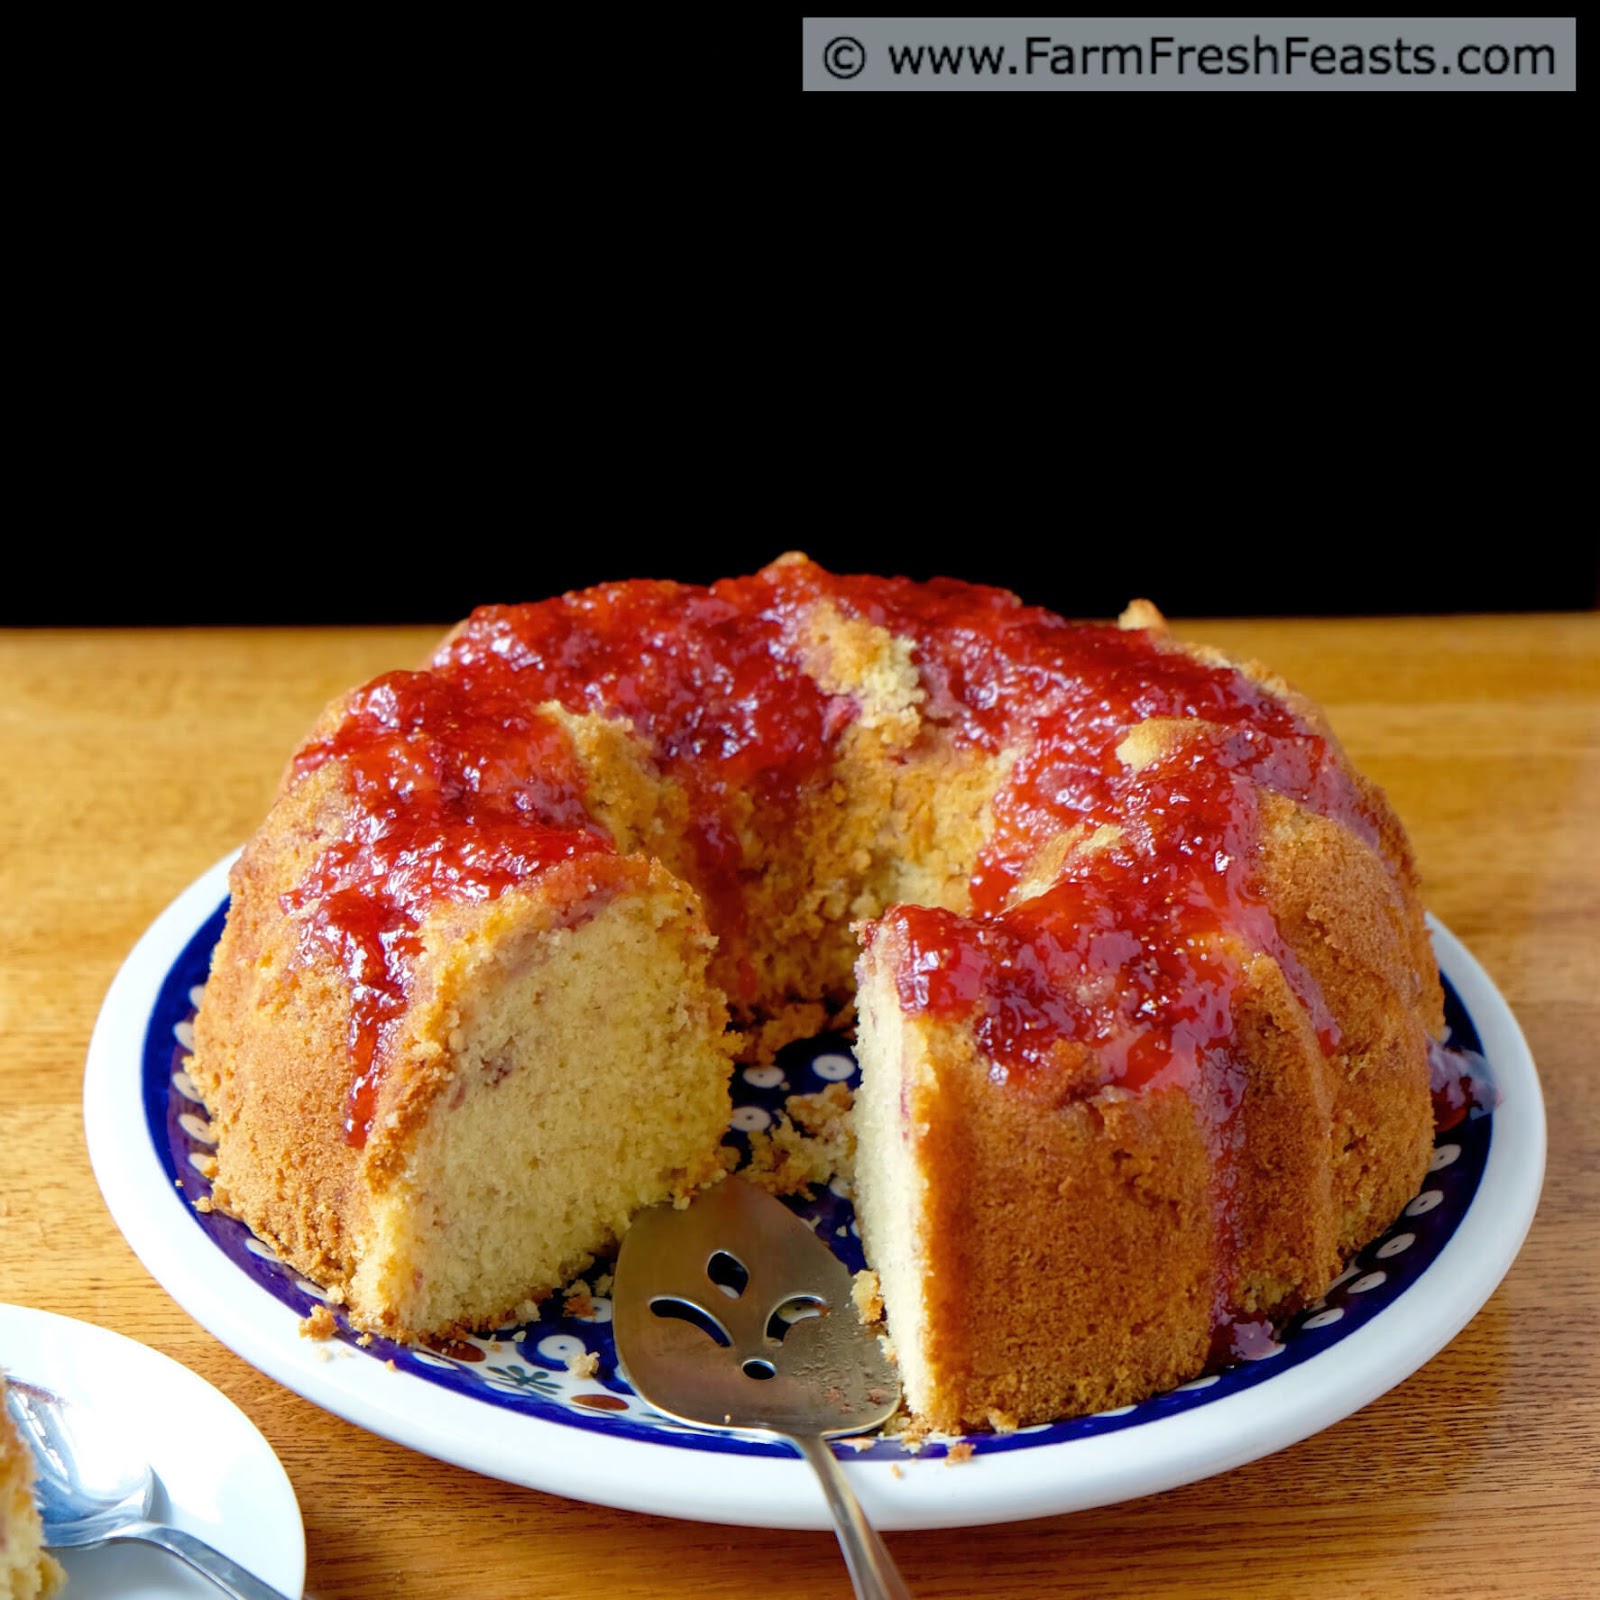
column 509, row 1407
column 217, row 1477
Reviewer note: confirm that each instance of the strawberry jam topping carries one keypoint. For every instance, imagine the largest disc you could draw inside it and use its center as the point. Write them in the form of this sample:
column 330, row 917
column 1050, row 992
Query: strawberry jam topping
column 457, row 798
column 707, row 677
column 1132, row 953
column 1460, row 1084
column 1120, row 968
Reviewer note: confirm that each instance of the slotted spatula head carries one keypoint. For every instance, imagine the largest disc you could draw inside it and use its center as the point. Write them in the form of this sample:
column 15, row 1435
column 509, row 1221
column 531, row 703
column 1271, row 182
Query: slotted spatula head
column 732, row 1313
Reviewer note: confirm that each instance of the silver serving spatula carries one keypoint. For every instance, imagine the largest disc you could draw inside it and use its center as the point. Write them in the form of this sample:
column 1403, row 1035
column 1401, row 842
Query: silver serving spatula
column 732, row 1313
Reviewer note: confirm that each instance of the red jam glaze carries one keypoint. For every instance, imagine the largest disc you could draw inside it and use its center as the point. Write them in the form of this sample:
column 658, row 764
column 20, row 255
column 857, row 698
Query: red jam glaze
column 1133, row 952
column 1460, row 1084
column 1240, row 1338
column 457, row 797
column 464, row 788
column 708, row 678
column 1005, row 675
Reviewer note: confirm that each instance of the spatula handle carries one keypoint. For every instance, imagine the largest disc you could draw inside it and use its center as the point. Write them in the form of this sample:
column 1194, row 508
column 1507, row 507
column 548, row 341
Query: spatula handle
column 872, row 1568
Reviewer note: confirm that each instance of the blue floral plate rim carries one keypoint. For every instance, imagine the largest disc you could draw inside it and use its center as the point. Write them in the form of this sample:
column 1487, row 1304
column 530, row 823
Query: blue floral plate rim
column 509, row 1406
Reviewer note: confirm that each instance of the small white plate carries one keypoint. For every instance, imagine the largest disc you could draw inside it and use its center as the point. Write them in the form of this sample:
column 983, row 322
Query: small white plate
column 509, row 1406
column 219, row 1479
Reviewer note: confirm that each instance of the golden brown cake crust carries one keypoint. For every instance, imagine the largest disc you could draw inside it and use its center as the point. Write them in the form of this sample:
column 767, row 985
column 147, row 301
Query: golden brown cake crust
column 26, row 1571
column 272, row 1064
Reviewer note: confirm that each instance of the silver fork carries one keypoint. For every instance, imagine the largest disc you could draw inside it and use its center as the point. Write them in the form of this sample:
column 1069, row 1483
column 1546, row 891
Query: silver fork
column 91, row 1492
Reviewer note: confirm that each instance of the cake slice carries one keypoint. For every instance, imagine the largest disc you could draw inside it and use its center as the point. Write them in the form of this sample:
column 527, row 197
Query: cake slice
column 561, row 1062
column 26, row 1572
column 1217, row 1111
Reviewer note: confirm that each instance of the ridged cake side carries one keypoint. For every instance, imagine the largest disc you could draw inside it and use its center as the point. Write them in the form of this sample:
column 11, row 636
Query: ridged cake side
column 1050, row 1243
column 560, row 1061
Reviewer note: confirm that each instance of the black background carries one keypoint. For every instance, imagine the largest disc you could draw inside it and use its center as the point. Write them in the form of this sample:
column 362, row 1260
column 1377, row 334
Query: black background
column 415, row 584
column 1239, row 358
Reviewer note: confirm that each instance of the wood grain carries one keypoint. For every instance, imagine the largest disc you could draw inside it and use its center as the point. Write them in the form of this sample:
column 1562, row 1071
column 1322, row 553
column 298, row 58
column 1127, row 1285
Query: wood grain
column 132, row 760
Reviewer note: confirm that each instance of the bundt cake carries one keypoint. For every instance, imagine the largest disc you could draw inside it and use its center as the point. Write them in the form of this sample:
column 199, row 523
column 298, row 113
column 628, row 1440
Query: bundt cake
column 26, row 1572
column 1143, row 988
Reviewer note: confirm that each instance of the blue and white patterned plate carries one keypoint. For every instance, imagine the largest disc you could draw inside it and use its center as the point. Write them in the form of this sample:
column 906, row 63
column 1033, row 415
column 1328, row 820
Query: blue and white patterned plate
column 510, row 1404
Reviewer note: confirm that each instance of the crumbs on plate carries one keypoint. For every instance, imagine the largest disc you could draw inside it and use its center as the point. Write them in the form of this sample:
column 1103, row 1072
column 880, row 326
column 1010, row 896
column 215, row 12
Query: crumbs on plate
column 578, row 1301
column 868, row 1296
column 321, row 1324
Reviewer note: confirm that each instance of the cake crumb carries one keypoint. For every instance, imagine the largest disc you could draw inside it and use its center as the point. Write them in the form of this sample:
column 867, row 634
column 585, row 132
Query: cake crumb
column 913, row 1434
column 957, row 1453
column 1001, row 1421
column 578, row 1302
column 894, row 1468
column 602, row 1284
column 796, row 1019
column 321, row 1324
column 364, row 1340
column 203, row 1205
column 868, row 1296
column 812, row 1139
column 859, row 1441
column 585, row 1365
column 390, row 1364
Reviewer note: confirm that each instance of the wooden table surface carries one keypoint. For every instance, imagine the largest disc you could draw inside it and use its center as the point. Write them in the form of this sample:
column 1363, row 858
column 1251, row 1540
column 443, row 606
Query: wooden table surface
column 131, row 761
